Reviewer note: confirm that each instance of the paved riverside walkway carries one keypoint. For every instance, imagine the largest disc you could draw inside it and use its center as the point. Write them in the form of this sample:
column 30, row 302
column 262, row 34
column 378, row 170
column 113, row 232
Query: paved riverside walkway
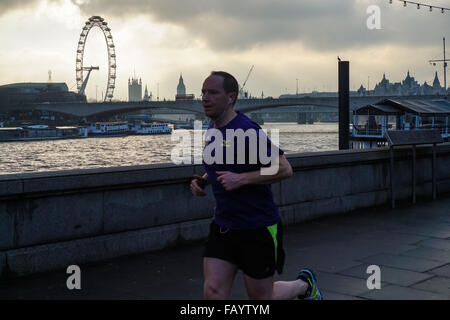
column 411, row 244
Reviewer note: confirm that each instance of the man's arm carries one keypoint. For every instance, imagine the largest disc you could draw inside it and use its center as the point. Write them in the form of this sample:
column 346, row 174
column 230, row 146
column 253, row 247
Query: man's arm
column 231, row 180
column 255, row 177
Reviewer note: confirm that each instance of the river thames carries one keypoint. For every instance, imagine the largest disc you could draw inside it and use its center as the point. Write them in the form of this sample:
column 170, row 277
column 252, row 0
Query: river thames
column 53, row 155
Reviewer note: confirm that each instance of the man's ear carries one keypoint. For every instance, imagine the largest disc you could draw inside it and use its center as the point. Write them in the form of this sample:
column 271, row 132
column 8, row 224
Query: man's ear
column 233, row 97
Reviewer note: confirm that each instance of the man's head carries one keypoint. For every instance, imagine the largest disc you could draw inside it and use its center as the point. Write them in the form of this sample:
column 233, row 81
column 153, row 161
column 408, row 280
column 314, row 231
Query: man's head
column 219, row 94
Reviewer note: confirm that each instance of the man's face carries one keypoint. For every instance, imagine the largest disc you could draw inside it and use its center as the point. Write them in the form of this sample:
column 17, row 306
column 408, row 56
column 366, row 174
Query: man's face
column 214, row 98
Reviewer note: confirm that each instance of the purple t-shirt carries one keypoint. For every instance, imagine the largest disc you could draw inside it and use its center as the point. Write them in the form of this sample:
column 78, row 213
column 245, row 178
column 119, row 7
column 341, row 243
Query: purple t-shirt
column 250, row 206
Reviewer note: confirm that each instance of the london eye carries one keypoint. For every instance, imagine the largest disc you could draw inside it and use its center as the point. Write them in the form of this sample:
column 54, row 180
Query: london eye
column 96, row 21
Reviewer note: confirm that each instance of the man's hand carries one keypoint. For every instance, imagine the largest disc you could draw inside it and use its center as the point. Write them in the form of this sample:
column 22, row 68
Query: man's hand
column 229, row 180
column 198, row 185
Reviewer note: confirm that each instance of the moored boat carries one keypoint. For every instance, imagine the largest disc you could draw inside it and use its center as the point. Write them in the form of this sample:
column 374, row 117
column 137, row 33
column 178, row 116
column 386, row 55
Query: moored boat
column 41, row 132
column 109, row 129
column 151, row 128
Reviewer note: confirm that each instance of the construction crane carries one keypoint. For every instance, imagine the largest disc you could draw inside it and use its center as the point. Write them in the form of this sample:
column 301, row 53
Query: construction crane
column 433, row 62
column 243, row 94
column 83, row 86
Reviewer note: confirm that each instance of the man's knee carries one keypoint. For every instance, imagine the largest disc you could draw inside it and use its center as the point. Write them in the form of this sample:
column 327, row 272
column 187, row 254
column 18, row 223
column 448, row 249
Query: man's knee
column 212, row 291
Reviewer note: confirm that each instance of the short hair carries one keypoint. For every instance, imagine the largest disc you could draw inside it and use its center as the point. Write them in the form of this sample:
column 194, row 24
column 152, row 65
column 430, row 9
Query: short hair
column 230, row 83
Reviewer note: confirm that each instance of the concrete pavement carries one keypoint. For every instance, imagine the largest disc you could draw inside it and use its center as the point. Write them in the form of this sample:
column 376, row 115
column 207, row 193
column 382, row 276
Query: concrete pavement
column 411, row 244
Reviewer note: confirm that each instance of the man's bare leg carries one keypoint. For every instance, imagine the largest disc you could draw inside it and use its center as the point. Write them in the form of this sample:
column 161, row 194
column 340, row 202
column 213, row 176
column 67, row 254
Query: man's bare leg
column 288, row 290
column 259, row 289
column 266, row 289
column 218, row 278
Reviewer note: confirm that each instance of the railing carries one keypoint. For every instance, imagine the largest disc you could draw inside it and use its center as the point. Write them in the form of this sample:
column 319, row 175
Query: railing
column 359, row 131
column 365, row 131
column 443, row 129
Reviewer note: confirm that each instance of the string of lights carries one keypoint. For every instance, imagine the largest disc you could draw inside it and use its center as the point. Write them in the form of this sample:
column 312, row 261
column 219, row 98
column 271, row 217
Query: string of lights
column 419, row 5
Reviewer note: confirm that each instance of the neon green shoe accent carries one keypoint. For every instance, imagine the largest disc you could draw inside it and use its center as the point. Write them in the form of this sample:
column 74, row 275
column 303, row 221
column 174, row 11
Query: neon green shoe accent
column 314, row 294
column 273, row 229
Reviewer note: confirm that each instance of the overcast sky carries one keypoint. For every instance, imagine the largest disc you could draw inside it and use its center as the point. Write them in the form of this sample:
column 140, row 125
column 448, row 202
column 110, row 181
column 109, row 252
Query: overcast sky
column 284, row 39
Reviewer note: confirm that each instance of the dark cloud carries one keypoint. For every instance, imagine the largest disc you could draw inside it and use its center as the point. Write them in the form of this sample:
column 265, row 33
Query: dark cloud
column 320, row 24
column 6, row 6
column 10, row 5
column 231, row 24
column 326, row 25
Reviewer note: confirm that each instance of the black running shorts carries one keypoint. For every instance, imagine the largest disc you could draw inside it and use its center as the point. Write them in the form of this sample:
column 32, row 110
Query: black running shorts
column 258, row 252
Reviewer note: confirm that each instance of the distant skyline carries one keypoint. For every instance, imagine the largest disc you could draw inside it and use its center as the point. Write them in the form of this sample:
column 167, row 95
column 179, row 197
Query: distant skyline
column 285, row 40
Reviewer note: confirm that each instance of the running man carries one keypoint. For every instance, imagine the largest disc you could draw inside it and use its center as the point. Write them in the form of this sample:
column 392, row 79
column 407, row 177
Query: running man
column 246, row 231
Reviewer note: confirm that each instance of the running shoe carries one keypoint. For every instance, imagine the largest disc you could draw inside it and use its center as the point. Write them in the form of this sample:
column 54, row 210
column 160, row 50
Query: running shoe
column 313, row 292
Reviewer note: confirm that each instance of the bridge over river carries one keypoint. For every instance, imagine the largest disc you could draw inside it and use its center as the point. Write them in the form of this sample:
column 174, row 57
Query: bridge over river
column 194, row 108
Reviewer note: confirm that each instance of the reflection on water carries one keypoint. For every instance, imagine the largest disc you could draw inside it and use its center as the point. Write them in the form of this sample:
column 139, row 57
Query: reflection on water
column 32, row 156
